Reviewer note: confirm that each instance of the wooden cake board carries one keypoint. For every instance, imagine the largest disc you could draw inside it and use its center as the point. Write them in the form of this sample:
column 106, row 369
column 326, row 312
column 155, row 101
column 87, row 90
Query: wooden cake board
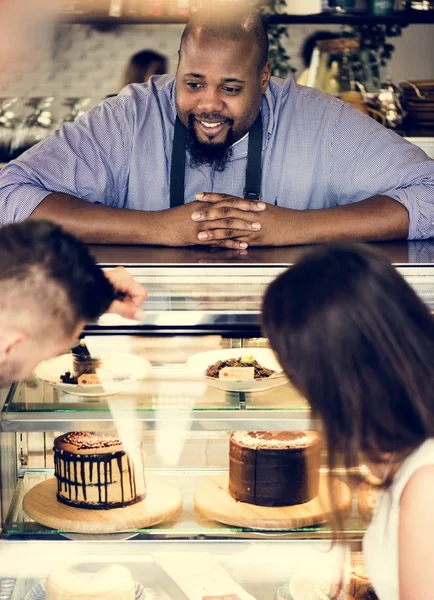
column 162, row 502
column 366, row 499
column 212, row 498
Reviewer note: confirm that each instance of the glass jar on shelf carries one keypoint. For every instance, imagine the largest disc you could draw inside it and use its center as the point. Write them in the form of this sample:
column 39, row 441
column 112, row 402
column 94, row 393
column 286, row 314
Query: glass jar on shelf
column 8, row 123
column 418, row 4
column 331, row 66
column 341, row 6
column 35, row 127
column 75, row 106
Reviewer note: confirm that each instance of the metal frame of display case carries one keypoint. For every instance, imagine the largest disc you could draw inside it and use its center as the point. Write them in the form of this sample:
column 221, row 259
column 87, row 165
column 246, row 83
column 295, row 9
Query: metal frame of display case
column 21, row 417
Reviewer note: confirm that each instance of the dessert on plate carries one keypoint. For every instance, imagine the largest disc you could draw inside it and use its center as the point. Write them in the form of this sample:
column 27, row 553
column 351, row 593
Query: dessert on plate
column 82, row 364
column 259, row 372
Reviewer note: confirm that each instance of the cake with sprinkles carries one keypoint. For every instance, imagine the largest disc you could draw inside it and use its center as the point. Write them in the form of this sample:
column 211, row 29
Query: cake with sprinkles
column 94, row 471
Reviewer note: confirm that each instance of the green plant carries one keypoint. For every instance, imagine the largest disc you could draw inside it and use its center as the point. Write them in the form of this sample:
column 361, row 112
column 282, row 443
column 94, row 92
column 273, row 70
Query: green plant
column 375, row 46
column 279, row 58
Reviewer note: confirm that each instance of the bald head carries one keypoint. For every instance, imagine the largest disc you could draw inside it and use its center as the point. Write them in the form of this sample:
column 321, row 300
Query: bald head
column 228, row 21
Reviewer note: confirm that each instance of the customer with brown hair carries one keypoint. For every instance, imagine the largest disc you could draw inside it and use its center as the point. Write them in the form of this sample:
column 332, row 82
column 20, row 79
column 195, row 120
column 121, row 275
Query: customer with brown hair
column 50, row 287
column 358, row 343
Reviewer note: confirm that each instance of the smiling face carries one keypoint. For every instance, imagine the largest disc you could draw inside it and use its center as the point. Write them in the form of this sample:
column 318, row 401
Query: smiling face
column 219, row 87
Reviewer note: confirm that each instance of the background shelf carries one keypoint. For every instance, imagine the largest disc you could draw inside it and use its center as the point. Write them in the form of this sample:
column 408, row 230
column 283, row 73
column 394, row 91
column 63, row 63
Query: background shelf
column 397, row 18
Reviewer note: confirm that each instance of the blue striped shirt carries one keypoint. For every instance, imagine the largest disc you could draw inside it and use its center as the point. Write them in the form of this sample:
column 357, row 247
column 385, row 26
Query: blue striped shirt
column 317, row 152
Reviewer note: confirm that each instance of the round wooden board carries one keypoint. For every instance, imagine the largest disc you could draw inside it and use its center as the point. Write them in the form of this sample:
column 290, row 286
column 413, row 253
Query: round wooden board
column 366, row 498
column 212, row 498
column 162, row 502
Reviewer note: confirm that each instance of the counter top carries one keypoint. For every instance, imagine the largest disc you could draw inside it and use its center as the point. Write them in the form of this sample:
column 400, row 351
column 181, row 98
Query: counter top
column 400, row 252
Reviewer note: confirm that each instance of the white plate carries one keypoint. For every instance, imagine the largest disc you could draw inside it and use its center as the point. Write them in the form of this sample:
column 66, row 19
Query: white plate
column 37, row 592
column 198, row 363
column 116, row 371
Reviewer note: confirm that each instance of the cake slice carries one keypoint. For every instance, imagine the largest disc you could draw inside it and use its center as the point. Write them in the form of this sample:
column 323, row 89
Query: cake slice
column 82, row 361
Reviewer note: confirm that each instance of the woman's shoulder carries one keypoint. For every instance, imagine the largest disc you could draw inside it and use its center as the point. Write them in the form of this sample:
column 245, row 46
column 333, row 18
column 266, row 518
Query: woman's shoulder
column 418, row 467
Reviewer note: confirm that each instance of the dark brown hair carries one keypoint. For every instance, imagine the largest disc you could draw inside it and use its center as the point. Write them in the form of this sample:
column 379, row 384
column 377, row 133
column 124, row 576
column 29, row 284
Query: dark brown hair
column 38, row 260
column 358, row 343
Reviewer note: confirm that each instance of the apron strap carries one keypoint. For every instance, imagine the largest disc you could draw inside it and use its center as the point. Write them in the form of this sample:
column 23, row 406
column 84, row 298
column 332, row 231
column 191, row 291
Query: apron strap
column 252, row 190
column 177, row 168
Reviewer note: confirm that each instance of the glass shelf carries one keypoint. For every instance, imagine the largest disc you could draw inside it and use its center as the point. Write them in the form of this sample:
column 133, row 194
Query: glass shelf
column 168, row 395
column 189, row 525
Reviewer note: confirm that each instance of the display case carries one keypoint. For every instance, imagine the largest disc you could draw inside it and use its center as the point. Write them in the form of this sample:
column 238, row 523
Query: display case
column 184, row 423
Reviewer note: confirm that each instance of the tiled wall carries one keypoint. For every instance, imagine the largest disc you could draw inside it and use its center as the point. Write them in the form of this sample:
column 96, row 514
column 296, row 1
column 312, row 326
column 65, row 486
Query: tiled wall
column 80, row 60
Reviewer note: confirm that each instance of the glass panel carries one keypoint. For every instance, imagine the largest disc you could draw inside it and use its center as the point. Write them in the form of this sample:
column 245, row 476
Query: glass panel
column 199, row 296
column 195, row 296
column 190, row 524
column 421, row 280
column 261, row 568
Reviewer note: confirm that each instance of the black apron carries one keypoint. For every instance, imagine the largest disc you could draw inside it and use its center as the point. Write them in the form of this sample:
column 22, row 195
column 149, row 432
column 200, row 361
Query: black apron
column 252, row 189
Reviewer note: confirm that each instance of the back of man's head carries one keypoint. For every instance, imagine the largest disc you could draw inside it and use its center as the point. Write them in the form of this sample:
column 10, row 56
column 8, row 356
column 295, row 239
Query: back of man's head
column 48, row 279
column 229, row 21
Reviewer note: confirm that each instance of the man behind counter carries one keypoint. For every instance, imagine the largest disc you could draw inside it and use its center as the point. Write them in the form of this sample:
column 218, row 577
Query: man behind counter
column 50, row 287
column 328, row 171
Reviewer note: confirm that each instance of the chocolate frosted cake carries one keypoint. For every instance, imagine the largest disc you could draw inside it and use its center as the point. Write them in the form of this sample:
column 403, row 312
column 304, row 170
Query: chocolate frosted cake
column 274, row 469
column 93, row 471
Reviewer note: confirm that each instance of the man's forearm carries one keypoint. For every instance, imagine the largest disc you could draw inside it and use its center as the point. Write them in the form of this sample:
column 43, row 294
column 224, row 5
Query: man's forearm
column 374, row 219
column 97, row 224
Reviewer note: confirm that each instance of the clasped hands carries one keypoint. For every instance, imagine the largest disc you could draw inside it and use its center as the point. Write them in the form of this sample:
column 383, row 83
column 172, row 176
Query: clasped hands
column 231, row 222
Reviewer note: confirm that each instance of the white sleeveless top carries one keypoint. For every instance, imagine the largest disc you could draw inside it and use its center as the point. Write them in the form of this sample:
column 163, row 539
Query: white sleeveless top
column 380, row 544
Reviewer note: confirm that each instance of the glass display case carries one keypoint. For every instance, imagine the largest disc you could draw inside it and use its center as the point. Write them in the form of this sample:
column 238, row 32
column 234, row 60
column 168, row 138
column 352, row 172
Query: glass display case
column 184, row 421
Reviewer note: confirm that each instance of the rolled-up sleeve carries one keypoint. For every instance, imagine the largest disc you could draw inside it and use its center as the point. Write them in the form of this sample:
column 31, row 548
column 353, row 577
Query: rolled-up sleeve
column 86, row 159
column 369, row 160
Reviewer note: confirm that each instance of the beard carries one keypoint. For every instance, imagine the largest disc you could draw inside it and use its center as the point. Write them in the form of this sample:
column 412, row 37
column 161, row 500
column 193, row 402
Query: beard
column 212, row 155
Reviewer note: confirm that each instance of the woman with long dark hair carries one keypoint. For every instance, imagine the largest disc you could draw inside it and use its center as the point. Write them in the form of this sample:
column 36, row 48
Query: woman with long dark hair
column 358, row 343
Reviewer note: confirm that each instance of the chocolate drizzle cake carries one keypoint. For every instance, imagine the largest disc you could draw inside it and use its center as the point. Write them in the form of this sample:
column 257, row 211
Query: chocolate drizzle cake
column 93, row 471
column 274, row 469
